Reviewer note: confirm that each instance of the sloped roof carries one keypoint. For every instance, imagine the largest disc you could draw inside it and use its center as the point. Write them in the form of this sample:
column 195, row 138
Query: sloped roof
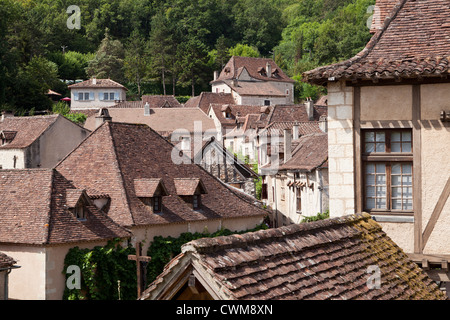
column 116, row 154
column 412, row 43
column 240, row 111
column 203, row 100
column 255, row 88
column 236, row 64
column 310, row 153
column 35, row 211
column 163, row 120
column 28, row 129
column 323, row 260
column 100, row 83
column 161, row 101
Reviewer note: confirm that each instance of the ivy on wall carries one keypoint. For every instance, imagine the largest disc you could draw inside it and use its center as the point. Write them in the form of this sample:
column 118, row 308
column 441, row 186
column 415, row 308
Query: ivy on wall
column 102, row 268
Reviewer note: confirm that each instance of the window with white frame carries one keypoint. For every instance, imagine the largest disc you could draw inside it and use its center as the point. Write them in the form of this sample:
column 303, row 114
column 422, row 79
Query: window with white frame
column 85, row 96
column 108, row 96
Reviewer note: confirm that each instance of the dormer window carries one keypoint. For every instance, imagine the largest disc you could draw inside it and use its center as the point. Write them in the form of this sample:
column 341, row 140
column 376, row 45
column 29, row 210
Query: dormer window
column 150, row 192
column 7, row 136
column 190, row 190
column 77, row 201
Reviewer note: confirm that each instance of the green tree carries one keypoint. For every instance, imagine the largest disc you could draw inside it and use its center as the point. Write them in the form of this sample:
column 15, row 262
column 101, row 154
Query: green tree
column 243, row 50
column 136, row 59
column 108, row 60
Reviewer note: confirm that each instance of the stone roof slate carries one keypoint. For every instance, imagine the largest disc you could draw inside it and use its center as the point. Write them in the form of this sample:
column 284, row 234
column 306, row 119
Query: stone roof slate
column 116, row 154
column 412, row 43
column 324, row 260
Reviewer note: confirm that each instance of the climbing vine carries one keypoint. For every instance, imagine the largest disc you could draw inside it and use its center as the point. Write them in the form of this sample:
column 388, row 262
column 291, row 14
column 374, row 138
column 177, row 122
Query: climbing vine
column 162, row 250
column 101, row 270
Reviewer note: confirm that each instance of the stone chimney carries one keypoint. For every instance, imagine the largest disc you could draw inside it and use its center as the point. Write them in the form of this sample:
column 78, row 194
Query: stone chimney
column 103, row 116
column 235, row 82
column 269, row 69
column 287, row 140
column 146, row 109
column 94, row 80
column 309, row 105
column 295, row 132
column 216, row 75
column 7, row 114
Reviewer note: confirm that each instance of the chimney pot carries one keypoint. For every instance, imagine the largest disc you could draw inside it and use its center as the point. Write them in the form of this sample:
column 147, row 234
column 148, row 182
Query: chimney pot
column 103, row 116
column 268, row 69
column 146, row 109
column 94, row 80
column 309, row 105
column 287, row 139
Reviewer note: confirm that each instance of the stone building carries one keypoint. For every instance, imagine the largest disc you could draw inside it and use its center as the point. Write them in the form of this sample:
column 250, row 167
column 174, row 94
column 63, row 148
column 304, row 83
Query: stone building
column 389, row 133
column 254, row 81
column 37, row 141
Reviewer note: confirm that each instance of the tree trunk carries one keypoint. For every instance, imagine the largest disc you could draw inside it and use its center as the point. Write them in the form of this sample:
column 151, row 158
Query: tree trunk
column 163, row 80
column 193, row 86
column 173, row 84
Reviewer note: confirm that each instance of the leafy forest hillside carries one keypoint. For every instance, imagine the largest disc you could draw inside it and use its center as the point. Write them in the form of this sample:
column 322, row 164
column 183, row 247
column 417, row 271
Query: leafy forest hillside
column 166, row 47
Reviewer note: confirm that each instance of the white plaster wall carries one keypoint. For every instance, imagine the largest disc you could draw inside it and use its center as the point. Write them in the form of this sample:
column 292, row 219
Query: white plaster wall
column 7, row 158
column 96, row 103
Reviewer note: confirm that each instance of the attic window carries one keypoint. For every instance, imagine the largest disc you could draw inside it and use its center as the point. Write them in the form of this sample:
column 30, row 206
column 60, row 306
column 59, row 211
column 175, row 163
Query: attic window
column 7, row 136
column 76, row 201
column 262, row 71
column 150, row 192
column 190, row 190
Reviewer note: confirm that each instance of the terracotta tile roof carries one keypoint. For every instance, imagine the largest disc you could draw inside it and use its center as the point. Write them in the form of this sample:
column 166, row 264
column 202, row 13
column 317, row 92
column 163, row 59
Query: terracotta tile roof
column 100, row 83
column 35, row 210
column 6, row 261
column 189, row 186
column 116, row 154
column 255, row 88
column 27, row 129
column 295, row 112
column 304, row 128
column 204, row 100
column 413, row 43
column 322, row 260
column 161, row 101
column 163, row 120
column 147, row 188
column 253, row 66
column 310, row 153
column 239, row 113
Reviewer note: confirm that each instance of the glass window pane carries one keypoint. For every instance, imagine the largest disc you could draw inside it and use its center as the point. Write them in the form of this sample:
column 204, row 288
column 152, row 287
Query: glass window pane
column 406, row 147
column 396, row 192
column 370, row 203
column 370, row 136
column 396, row 180
column 407, row 192
column 381, row 168
column 407, row 204
column 406, row 168
column 396, row 168
column 86, row 96
column 370, row 168
column 381, row 203
column 370, row 179
column 381, row 179
column 407, row 180
column 370, row 191
column 105, row 96
column 397, row 204
column 80, row 96
column 396, row 136
column 396, row 147
column 370, row 147
column 380, row 136
column 380, row 147
column 406, row 136
column 381, row 191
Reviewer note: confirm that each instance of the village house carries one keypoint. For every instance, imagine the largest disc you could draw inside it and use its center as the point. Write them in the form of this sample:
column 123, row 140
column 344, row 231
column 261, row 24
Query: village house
column 180, row 126
column 332, row 259
column 153, row 188
column 96, row 93
column 389, row 130
column 6, row 265
column 299, row 188
column 37, row 141
column 254, row 81
column 205, row 99
column 226, row 166
column 44, row 215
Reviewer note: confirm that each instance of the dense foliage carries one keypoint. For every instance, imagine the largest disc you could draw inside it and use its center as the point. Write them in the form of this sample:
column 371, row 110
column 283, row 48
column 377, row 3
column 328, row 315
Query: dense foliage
column 170, row 46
